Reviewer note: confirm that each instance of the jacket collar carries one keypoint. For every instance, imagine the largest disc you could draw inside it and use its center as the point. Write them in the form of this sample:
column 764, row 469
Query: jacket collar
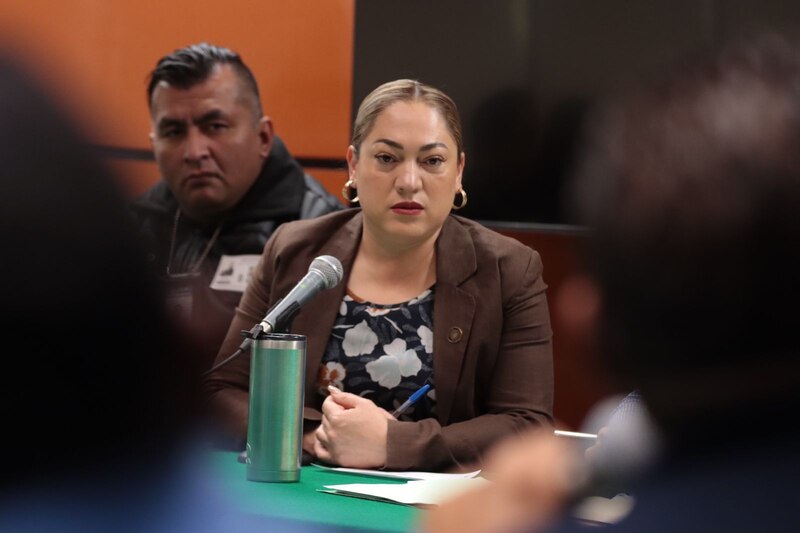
column 278, row 191
column 318, row 319
column 455, row 253
column 454, row 245
column 455, row 250
column 344, row 245
column 453, row 310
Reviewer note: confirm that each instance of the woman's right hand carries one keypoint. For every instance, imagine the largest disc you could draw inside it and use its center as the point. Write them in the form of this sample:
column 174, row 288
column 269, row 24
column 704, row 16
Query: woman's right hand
column 353, row 431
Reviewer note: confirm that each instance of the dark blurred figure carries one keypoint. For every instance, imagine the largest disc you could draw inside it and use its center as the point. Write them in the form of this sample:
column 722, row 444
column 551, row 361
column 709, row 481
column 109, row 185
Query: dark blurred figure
column 95, row 388
column 97, row 395
column 692, row 188
column 90, row 378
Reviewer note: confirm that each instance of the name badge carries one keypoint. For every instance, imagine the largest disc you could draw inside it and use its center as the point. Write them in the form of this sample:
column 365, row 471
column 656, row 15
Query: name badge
column 234, row 272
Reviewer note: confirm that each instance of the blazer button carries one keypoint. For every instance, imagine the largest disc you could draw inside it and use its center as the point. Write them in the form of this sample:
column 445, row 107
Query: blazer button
column 455, row 334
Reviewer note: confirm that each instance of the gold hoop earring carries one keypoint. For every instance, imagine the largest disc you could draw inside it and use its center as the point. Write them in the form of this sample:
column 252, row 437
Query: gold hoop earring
column 346, row 192
column 463, row 202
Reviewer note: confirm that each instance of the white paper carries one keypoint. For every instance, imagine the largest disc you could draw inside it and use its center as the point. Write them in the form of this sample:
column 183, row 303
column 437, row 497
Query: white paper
column 575, row 434
column 604, row 510
column 419, row 492
column 399, row 475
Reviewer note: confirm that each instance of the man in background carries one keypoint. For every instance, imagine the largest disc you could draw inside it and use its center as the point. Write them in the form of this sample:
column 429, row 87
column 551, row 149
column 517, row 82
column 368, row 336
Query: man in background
column 227, row 182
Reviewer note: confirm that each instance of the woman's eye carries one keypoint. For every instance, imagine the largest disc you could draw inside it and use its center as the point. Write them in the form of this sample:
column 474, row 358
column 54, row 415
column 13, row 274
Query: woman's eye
column 384, row 158
column 434, row 161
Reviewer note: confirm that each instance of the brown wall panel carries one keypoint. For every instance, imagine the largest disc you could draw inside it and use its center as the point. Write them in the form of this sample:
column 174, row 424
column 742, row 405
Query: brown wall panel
column 579, row 383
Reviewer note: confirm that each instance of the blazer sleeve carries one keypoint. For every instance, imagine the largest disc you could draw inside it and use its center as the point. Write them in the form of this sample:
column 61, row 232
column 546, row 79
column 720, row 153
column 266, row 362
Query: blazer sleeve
column 227, row 389
column 517, row 395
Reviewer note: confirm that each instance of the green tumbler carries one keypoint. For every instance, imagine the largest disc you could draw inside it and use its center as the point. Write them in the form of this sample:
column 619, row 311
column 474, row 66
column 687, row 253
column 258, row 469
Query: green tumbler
column 275, row 423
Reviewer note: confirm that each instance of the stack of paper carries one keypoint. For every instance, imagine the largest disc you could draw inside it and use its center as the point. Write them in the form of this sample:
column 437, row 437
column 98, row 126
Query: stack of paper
column 422, row 492
column 396, row 474
column 424, row 488
column 602, row 510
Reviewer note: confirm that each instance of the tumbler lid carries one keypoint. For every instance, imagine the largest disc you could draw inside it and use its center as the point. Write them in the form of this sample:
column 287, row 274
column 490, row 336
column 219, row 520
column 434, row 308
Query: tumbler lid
column 275, row 336
column 280, row 337
column 280, row 341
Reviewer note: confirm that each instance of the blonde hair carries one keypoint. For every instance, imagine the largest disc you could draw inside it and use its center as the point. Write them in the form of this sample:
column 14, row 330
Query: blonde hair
column 404, row 91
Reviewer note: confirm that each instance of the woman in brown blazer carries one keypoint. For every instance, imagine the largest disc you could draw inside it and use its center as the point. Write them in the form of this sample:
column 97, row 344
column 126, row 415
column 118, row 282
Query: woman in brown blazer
column 428, row 298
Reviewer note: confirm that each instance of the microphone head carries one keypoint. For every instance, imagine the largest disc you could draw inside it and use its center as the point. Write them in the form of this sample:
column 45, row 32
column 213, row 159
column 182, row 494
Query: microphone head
column 329, row 268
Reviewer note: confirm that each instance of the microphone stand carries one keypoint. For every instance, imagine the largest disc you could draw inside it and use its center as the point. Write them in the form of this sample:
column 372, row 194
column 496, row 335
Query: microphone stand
column 282, row 325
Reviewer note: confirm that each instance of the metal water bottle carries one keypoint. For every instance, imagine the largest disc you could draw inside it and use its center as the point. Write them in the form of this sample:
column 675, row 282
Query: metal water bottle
column 275, row 424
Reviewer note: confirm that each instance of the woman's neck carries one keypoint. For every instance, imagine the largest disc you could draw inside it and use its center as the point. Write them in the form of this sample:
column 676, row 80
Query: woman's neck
column 392, row 271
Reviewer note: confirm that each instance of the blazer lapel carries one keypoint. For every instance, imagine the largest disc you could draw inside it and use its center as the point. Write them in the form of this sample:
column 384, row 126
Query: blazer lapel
column 317, row 318
column 453, row 313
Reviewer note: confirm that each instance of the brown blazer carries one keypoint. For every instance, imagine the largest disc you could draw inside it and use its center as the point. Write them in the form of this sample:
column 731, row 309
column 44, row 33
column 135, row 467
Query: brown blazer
column 492, row 348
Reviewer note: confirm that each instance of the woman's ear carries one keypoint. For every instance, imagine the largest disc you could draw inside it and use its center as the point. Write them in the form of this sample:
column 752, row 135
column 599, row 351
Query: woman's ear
column 352, row 161
column 462, row 160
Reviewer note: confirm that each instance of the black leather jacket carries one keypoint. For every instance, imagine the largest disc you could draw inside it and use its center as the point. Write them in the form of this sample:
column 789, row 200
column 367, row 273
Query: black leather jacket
column 282, row 192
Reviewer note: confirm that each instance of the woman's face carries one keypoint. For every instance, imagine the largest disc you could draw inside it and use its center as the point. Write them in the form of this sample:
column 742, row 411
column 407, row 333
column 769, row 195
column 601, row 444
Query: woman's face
column 406, row 173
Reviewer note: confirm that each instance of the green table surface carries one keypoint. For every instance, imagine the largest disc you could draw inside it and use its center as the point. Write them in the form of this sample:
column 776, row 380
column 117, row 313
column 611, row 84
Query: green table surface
column 302, row 501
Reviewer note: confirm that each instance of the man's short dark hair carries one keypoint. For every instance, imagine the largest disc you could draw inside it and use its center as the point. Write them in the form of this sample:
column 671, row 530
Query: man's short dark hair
column 193, row 64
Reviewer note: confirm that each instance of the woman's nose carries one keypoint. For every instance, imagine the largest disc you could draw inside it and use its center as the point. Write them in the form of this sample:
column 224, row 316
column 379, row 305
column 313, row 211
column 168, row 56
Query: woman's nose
column 409, row 177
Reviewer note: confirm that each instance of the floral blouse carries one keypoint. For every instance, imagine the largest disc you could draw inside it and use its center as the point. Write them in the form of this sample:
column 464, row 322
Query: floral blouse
column 383, row 353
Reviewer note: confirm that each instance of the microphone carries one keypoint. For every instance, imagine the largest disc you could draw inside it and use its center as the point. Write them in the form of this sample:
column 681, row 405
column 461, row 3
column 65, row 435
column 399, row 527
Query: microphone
column 325, row 272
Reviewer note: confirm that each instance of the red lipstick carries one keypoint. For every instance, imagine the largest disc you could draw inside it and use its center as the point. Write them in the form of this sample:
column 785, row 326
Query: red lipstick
column 407, row 208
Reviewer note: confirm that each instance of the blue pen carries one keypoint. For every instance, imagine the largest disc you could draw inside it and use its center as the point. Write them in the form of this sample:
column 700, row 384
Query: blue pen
column 412, row 400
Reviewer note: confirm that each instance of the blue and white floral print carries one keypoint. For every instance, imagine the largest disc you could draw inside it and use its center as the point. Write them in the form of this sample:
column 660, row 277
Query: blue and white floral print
column 398, row 362
column 383, row 352
column 359, row 340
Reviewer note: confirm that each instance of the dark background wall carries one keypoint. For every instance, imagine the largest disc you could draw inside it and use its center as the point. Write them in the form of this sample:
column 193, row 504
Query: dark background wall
column 524, row 72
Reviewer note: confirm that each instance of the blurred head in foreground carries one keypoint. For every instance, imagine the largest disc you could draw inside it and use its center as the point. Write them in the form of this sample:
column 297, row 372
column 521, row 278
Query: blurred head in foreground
column 691, row 187
column 93, row 384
